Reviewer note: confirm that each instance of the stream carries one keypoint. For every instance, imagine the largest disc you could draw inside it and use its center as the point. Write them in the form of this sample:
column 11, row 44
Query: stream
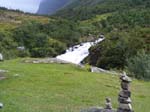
column 77, row 53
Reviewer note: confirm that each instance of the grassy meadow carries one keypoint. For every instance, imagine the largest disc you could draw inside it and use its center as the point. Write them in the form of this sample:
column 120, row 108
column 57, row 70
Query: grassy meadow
column 62, row 88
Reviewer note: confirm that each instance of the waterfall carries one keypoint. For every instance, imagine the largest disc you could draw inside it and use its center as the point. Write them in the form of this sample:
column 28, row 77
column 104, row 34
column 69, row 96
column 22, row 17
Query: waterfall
column 77, row 53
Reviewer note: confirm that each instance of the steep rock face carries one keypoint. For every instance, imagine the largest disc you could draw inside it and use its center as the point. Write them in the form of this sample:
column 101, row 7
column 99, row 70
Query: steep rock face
column 51, row 6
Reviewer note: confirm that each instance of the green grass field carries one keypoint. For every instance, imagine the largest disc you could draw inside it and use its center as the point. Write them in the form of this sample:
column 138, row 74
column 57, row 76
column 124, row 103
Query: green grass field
column 62, row 88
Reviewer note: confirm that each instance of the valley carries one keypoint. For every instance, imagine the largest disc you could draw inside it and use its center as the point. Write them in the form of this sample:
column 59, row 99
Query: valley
column 35, row 49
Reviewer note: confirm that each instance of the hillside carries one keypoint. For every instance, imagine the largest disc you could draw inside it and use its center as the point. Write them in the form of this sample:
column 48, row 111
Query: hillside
column 48, row 7
column 125, row 24
column 127, row 33
column 10, row 19
column 41, row 36
column 52, row 88
column 85, row 9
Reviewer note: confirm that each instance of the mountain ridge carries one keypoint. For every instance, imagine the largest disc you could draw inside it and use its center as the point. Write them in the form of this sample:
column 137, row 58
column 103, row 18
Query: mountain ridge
column 48, row 7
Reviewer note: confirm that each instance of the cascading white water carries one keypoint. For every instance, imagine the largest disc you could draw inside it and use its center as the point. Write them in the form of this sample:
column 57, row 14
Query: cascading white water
column 77, row 53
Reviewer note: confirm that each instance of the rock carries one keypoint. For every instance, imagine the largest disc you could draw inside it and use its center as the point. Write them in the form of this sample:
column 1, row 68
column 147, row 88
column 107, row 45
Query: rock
column 125, row 78
column 124, row 100
column 125, row 93
column 124, row 85
column 3, row 71
column 125, row 106
column 45, row 60
column 21, row 48
column 120, row 110
column 98, row 109
column 1, row 105
column 93, row 109
column 1, row 57
column 100, row 70
column 108, row 104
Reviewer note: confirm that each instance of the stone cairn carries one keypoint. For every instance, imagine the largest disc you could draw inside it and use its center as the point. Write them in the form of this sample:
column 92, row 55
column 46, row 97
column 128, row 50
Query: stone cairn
column 108, row 107
column 125, row 94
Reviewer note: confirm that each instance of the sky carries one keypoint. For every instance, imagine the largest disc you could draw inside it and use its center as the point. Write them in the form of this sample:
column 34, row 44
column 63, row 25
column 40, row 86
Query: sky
column 24, row 5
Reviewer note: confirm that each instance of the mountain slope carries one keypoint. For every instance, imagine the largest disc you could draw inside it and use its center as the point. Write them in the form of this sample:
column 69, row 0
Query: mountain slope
column 85, row 9
column 41, row 36
column 51, row 6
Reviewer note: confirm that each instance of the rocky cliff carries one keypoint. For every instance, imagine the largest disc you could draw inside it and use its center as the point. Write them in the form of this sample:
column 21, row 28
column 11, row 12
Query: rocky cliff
column 51, row 6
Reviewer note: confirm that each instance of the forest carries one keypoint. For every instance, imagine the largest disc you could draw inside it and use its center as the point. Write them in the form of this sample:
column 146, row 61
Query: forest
column 125, row 25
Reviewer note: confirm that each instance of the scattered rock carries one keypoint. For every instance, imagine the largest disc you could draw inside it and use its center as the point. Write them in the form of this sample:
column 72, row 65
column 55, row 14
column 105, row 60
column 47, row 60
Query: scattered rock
column 2, row 77
column 46, row 60
column 3, row 71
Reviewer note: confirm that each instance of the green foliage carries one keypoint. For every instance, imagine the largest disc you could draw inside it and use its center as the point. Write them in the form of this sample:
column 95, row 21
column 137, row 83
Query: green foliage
column 139, row 66
column 55, row 36
column 7, row 45
column 114, row 50
column 126, row 33
column 86, row 9
column 23, row 53
column 62, row 30
column 41, row 36
column 46, row 47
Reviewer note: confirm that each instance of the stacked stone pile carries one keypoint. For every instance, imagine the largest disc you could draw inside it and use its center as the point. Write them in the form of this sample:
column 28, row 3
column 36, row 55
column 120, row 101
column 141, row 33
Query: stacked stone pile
column 125, row 95
column 108, row 107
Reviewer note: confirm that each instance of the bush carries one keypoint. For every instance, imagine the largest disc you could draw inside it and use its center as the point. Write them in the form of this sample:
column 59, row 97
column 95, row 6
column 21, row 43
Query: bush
column 139, row 66
column 23, row 53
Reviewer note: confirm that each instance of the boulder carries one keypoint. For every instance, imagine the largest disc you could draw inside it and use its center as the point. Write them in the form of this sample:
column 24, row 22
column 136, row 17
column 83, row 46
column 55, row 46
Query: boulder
column 125, row 93
column 1, row 57
column 100, row 70
column 125, row 78
column 125, row 85
column 124, row 100
column 1, row 105
column 93, row 109
column 97, row 109
column 124, row 106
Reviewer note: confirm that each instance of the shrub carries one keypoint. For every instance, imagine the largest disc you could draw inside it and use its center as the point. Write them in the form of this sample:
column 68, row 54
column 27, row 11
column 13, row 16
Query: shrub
column 139, row 65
